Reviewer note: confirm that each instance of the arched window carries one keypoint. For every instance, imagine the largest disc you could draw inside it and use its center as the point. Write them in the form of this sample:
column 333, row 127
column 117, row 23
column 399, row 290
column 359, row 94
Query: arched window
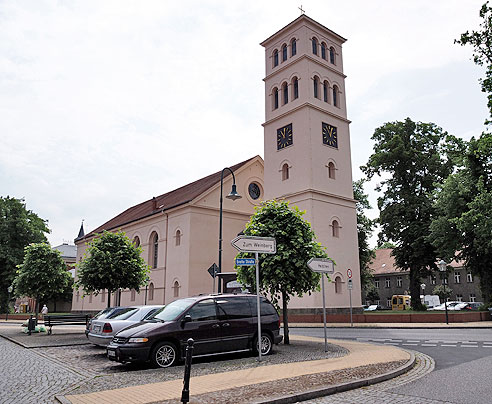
column 275, row 58
column 316, row 85
column 136, row 241
column 332, row 55
column 285, row 93
column 338, row 285
column 323, row 50
column 275, row 98
column 331, row 170
column 285, row 172
column 176, row 288
column 336, row 101
column 284, row 52
column 293, row 47
column 133, row 293
column 314, row 42
column 178, row 237
column 325, row 91
column 154, row 249
column 151, row 291
column 295, row 88
column 335, row 228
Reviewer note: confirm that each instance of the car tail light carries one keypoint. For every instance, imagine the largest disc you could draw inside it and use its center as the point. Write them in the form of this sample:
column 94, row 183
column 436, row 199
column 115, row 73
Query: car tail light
column 107, row 328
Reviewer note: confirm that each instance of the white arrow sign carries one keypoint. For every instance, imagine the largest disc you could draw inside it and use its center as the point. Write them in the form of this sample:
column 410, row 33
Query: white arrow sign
column 265, row 245
column 324, row 265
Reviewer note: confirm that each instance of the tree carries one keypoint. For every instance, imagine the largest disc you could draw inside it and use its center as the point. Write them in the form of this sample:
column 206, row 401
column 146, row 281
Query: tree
column 112, row 262
column 364, row 231
column 481, row 41
column 463, row 228
column 19, row 227
column 372, row 293
column 386, row 244
column 442, row 291
column 285, row 273
column 43, row 274
column 409, row 156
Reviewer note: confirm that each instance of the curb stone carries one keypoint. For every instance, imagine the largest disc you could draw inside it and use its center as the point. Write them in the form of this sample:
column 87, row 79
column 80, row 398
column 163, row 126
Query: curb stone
column 316, row 393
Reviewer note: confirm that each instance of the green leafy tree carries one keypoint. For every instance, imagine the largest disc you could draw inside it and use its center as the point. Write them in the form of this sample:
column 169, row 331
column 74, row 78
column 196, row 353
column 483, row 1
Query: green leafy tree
column 386, row 244
column 365, row 227
column 463, row 228
column 409, row 158
column 372, row 293
column 442, row 291
column 43, row 275
column 481, row 41
column 285, row 273
column 112, row 262
column 19, row 227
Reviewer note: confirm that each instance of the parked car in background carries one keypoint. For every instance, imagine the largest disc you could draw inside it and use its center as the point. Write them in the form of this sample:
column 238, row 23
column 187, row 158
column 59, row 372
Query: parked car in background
column 451, row 306
column 373, row 307
column 472, row 306
column 217, row 323
column 108, row 312
column 102, row 330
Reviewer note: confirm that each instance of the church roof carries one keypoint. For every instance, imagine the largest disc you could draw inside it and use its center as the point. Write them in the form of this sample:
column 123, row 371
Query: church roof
column 67, row 250
column 169, row 200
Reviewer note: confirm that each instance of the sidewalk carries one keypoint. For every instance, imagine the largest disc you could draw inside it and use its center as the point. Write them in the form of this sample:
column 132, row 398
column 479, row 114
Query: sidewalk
column 471, row 325
column 360, row 354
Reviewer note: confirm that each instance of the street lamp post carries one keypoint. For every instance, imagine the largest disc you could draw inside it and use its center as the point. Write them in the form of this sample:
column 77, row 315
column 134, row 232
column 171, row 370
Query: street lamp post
column 9, row 289
column 443, row 268
column 233, row 195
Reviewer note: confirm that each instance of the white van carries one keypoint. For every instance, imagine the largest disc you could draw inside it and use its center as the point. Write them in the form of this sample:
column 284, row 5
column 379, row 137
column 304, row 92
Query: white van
column 430, row 300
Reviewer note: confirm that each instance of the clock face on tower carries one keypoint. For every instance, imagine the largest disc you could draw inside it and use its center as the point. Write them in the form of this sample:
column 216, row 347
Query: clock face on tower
column 330, row 135
column 284, row 136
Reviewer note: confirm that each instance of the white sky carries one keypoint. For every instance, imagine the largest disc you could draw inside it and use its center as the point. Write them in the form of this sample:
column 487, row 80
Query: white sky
column 104, row 104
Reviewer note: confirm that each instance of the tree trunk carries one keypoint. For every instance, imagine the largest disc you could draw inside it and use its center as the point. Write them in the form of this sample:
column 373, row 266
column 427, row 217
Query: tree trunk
column 37, row 310
column 109, row 298
column 54, row 306
column 415, row 289
column 286, row 318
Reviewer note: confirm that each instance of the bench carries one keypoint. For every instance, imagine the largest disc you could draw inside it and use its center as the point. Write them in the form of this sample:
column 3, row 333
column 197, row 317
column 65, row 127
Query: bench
column 65, row 319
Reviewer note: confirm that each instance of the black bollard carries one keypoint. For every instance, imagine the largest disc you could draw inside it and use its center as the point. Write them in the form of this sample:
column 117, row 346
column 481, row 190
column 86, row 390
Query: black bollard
column 185, row 394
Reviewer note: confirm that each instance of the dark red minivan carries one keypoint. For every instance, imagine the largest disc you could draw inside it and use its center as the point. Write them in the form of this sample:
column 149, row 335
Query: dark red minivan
column 221, row 323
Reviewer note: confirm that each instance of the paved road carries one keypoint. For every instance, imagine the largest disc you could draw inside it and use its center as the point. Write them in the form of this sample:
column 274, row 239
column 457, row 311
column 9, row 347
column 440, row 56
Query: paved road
column 461, row 374
column 27, row 377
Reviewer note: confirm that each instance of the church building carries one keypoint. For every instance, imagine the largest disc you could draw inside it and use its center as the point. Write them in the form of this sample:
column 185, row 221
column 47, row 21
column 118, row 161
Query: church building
column 307, row 161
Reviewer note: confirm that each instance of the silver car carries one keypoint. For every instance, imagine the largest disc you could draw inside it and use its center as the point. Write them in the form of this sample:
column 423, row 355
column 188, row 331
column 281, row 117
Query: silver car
column 102, row 331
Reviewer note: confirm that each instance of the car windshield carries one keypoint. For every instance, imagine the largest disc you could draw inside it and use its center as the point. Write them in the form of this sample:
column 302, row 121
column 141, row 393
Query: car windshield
column 172, row 310
column 125, row 314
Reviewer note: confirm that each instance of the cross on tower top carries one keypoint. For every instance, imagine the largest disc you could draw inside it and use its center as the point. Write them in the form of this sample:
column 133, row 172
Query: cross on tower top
column 302, row 11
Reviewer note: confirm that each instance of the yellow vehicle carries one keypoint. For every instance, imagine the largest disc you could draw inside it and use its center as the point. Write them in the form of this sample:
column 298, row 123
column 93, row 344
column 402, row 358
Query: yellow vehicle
column 400, row 302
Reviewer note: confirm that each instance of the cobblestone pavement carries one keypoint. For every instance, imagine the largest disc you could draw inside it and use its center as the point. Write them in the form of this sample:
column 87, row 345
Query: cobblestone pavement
column 380, row 394
column 27, row 377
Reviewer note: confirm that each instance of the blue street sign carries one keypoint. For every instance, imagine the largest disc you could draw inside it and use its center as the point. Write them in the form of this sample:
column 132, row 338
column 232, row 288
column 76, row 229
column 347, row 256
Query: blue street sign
column 245, row 262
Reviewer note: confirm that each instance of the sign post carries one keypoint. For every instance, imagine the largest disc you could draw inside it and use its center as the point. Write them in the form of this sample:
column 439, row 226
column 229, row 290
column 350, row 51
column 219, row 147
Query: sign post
column 324, row 266
column 212, row 270
column 349, row 286
column 251, row 244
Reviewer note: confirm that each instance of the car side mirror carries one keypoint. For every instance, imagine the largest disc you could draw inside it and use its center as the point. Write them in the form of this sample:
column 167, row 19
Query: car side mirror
column 186, row 319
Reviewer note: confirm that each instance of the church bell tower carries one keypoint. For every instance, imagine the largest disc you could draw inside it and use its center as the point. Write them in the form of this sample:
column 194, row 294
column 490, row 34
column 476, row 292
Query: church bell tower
column 307, row 145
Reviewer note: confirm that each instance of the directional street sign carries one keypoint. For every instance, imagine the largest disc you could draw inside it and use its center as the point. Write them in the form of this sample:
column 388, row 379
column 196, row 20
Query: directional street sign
column 324, row 265
column 349, row 273
column 262, row 245
column 213, row 270
column 245, row 262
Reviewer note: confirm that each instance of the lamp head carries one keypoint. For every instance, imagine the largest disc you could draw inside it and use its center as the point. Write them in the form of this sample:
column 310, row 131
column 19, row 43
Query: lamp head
column 442, row 265
column 233, row 194
column 10, row 289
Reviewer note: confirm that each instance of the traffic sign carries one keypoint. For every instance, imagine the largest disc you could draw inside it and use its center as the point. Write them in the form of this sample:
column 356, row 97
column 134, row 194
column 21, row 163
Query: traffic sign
column 349, row 273
column 323, row 265
column 213, row 270
column 349, row 284
column 245, row 262
column 265, row 245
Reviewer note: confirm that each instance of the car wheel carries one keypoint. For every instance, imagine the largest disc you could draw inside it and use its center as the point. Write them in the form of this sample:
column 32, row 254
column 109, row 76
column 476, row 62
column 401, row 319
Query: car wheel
column 266, row 344
column 164, row 355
